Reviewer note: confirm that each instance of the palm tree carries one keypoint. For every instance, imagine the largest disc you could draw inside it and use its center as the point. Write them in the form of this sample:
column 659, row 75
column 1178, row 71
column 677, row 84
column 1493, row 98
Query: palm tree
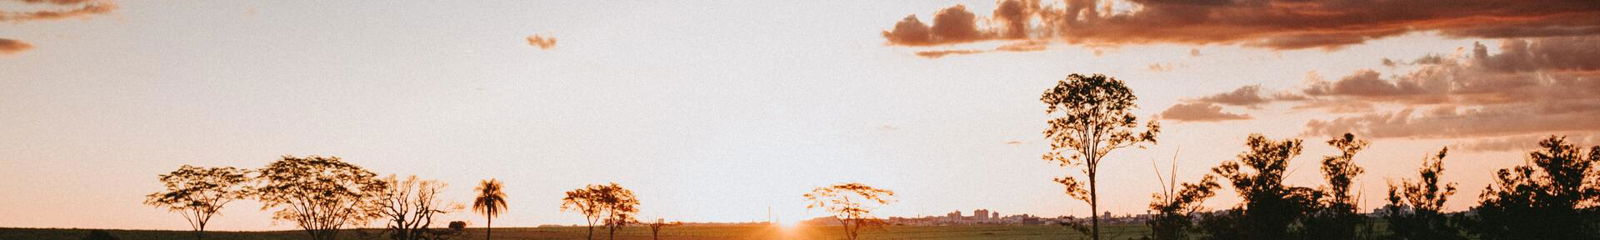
column 490, row 202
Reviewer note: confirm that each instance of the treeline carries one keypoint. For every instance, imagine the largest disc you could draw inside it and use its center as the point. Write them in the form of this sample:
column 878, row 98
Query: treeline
column 322, row 195
column 1555, row 194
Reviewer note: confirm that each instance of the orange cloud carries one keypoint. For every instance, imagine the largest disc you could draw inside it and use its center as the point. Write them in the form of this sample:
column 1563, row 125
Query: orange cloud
column 1200, row 112
column 542, row 42
column 85, row 10
column 8, row 46
column 1273, row 24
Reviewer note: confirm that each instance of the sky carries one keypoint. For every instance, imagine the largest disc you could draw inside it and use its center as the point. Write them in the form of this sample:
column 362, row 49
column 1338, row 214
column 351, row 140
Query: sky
column 728, row 110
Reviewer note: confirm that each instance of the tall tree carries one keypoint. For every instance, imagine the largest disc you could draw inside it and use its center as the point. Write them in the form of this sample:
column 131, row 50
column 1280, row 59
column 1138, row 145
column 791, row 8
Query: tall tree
column 1552, row 196
column 410, row 205
column 1269, row 207
column 1416, row 209
column 658, row 225
column 1176, row 204
column 321, row 194
column 850, row 203
column 1090, row 117
column 199, row 193
column 585, row 201
column 491, row 201
column 1336, row 216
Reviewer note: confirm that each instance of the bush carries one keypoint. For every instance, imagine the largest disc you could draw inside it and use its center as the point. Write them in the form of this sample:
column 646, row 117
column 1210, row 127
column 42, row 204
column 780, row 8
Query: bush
column 100, row 235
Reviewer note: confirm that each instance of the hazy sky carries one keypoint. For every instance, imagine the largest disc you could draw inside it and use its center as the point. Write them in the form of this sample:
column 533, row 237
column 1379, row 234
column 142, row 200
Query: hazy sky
column 720, row 110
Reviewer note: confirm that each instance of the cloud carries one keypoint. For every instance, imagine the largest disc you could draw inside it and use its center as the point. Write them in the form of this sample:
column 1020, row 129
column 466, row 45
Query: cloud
column 1525, row 142
column 943, row 53
column 84, row 10
column 1272, row 24
column 1023, row 46
column 1200, row 112
column 1194, row 52
column 1536, row 86
column 1160, row 67
column 542, row 42
column 8, row 46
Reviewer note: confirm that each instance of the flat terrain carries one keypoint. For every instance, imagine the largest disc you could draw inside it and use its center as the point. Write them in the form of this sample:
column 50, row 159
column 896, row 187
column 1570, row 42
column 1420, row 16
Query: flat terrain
column 632, row 233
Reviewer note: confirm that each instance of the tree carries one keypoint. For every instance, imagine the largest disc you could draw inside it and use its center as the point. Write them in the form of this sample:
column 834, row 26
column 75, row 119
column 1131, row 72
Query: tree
column 321, row 194
column 1175, row 207
column 410, row 205
column 661, row 223
column 1551, row 196
column 1415, row 209
column 1336, row 216
column 584, row 201
column 491, row 201
column 1268, row 207
column 610, row 204
column 199, row 193
column 850, row 203
column 1091, row 116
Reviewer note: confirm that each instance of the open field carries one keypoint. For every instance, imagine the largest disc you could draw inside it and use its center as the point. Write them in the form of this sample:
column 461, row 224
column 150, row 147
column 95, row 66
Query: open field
column 632, row 233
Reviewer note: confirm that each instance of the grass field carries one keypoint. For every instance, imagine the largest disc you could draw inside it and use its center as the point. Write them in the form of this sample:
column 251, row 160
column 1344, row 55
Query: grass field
column 633, row 233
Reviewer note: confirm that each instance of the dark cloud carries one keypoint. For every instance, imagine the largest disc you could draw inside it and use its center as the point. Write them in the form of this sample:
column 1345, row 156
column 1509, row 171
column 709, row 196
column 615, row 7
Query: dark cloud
column 8, row 46
column 1200, row 112
column 87, row 9
column 1533, row 86
column 542, row 42
column 1274, row 24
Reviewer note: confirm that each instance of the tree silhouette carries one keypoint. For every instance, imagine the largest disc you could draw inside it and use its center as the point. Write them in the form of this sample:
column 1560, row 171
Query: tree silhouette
column 1268, row 207
column 850, row 203
column 198, row 193
column 609, row 204
column 1552, row 196
column 1176, row 204
column 321, row 194
column 661, row 223
column 1336, row 216
column 491, row 201
column 410, row 205
column 1415, row 209
column 1090, row 118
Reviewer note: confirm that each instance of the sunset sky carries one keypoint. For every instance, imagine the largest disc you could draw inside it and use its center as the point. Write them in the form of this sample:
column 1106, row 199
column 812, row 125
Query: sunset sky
column 720, row 110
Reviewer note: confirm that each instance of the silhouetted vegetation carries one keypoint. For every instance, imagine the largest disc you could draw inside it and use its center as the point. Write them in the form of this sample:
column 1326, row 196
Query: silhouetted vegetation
column 658, row 225
column 851, row 204
column 1091, row 116
column 1336, row 216
column 410, row 205
column 1269, row 207
column 1552, row 196
column 1175, row 206
column 1416, row 209
column 491, row 201
column 100, row 235
column 198, row 193
column 321, row 194
column 610, row 204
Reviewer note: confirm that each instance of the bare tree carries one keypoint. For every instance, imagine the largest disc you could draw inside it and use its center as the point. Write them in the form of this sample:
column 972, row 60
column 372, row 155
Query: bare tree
column 410, row 205
column 491, row 201
column 321, row 194
column 199, row 193
column 1176, row 204
column 850, row 203
column 661, row 223
column 1090, row 117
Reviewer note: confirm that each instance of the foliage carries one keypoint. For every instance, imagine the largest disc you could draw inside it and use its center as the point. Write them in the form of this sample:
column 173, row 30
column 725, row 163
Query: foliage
column 1268, row 207
column 851, row 204
column 658, row 225
column 410, row 205
column 491, row 201
column 1336, row 217
column 1552, row 196
column 1175, row 208
column 199, row 193
column 611, row 204
column 1091, row 116
column 1415, row 209
column 321, row 194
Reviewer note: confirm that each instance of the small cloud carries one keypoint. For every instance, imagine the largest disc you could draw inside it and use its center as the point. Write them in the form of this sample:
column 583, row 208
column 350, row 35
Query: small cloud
column 542, row 42
column 943, row 53
column 1200, row 112
column 41, row 15
column 887, row 127
column 8, row 46
column 1194, row 52
column 1014, row 142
